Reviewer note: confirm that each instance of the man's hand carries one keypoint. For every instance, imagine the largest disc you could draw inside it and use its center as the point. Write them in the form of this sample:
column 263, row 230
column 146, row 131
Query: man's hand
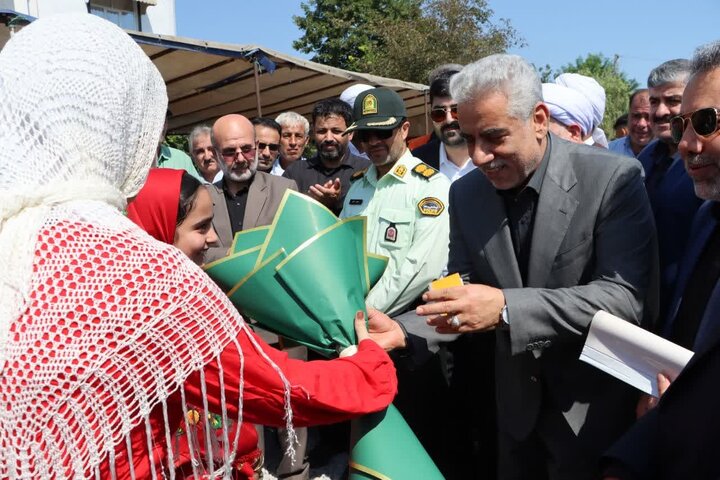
column 476, row 307
column 327, row 194
column 648, row 402
column 385, row 331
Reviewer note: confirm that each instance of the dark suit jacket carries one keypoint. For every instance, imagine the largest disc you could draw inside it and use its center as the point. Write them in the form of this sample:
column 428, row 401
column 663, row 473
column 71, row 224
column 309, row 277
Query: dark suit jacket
column 674, row 205
column 264, row 196
column 679, row 438
column 429, row 153
column 593, row 247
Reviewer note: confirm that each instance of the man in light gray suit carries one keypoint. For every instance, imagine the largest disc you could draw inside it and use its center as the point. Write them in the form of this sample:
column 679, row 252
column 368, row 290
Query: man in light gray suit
column 244, row 198
column 546, row 232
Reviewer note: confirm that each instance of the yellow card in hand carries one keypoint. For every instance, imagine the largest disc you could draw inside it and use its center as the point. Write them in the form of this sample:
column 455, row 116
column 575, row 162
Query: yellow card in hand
column 453, row 280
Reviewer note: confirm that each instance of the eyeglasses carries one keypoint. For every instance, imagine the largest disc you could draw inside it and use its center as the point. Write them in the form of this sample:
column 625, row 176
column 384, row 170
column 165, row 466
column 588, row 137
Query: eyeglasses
column 364, row 135
column 704, row 121
column 246, row 150
column 438, row 114
column 273, row 147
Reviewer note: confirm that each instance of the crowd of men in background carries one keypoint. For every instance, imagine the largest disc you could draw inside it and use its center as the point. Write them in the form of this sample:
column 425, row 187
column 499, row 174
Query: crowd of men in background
column 519, row 191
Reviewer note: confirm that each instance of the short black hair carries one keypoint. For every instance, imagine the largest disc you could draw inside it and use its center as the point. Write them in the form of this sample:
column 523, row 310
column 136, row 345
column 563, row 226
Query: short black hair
column 621, row 121
column 440, row 86
column 267, row 122
column 332, row 106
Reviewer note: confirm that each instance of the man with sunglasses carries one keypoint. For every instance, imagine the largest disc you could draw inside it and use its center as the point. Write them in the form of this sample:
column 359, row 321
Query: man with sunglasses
column 679, row 437
column 669, row 187
column 448, row 151
column 245, row 198
column 404, row 200
column 326, row 176
column 267, row 138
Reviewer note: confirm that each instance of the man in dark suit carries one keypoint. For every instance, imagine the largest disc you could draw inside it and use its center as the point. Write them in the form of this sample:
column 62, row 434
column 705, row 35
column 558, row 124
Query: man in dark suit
column 679, row 437
column 244, row 198
column 446, row 151
column 547, row 233
column 669, row 187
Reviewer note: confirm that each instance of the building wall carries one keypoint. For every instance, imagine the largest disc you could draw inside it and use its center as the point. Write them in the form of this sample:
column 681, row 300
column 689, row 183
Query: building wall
column 159, row 18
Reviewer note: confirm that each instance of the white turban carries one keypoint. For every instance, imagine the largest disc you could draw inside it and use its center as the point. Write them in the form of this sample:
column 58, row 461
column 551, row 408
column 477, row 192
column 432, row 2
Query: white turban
column 589, row 87
column 349, row 94
column 568, row 106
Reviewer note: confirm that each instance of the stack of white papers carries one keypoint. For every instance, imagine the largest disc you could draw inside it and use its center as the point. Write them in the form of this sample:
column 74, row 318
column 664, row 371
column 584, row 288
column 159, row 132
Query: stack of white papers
column 631, row 354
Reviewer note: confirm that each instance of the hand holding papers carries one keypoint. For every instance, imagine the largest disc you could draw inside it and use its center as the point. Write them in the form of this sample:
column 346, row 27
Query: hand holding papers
column 631, row 354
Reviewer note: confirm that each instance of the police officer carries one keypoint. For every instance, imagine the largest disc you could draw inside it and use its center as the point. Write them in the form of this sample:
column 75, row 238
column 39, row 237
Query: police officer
column 404, row 200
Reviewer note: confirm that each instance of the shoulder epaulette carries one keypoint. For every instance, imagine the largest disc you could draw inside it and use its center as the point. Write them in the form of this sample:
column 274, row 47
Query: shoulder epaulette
column 424, row 170
column 358, row 174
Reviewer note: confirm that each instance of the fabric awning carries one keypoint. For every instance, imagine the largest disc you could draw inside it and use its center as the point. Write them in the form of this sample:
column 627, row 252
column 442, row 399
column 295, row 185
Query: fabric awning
column 206, row 80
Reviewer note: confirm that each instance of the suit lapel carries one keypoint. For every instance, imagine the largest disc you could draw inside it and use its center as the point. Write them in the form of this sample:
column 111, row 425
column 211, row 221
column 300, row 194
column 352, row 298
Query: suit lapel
column 221, row 217
column 499, row 251
column 555, row 209
column 257, row 197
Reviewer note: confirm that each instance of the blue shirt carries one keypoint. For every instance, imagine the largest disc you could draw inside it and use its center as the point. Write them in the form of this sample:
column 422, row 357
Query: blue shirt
column 622, row 146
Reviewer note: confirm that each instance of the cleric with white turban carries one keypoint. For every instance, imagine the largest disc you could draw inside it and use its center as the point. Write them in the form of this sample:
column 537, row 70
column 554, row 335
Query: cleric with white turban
column 569, row 107
column 595, row 93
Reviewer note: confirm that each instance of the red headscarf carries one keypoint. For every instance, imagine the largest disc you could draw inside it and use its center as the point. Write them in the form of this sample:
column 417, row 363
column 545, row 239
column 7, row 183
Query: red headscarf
column 155, row 208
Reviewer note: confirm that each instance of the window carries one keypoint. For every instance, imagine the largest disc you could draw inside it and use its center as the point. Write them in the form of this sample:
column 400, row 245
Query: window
column 123, row 13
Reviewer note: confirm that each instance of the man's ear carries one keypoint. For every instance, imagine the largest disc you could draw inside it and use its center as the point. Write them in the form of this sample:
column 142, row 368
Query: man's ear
column 540, row 118
column 575, row 132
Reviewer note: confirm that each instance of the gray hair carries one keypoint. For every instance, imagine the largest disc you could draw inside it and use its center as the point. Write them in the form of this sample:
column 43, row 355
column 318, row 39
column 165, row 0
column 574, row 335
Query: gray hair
column 286, row 119
column 706, row 58
column 196, row 132
column 508, row 74
column 677, row 70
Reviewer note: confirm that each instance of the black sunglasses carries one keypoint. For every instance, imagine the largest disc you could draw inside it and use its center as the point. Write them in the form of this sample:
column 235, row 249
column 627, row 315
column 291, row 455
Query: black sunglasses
column 232, row 151
column 364, row 135
column 273, row 147
column 704, row 121
column 438, row 114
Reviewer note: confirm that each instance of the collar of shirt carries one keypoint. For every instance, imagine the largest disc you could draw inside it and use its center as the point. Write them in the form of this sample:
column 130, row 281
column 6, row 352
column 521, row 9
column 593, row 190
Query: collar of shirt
column 165, row 154
column 242, row 190
column 446, row 164
column 399, row 171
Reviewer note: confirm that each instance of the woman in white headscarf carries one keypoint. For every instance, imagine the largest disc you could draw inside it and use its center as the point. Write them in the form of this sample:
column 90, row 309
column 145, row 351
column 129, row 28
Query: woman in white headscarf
column 105, row 333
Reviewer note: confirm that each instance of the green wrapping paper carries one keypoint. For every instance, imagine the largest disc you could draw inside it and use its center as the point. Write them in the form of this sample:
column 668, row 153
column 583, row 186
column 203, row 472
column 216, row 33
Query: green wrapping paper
column 374, row 456
column 333, row 301
column 304, row 277
column 261, row 297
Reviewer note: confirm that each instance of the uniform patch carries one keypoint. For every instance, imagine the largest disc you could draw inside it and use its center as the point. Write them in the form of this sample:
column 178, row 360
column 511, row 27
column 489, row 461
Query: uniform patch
column 358, row 174
column 424, row 171
column 370, row 106
column 400, row 171
column 391, row 233
column 431, row 206
column 356, row 201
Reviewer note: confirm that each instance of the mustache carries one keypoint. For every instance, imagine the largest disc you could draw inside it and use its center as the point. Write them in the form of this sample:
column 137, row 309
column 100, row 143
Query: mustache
column 330, row 143
column 455, row 125
column 496, row 163
column 698, row 160
column 663, row 119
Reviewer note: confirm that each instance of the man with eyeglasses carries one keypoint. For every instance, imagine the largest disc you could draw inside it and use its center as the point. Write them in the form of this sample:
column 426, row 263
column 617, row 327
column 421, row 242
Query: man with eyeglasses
column 244, row 198
column 670, row 189
column 326, row 176
column 267, row 138
column 679, row 437
column 448, row 151
column 404, row 200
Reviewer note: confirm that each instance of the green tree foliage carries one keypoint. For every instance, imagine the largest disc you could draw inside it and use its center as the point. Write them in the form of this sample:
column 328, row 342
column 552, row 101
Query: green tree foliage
column 341, row 33
column 618, row 86
column 402, row 39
